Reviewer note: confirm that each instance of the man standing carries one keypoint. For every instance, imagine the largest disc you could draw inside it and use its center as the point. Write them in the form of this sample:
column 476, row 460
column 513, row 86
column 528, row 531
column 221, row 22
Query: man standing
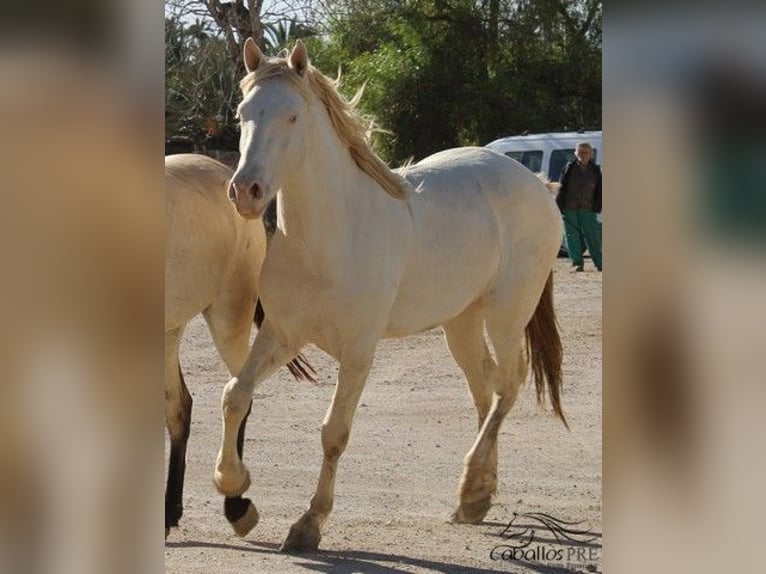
column 579, row 200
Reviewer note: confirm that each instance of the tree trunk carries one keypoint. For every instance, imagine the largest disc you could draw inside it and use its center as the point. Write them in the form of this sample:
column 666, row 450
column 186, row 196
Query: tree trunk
column 223, row 17
column 255, row 7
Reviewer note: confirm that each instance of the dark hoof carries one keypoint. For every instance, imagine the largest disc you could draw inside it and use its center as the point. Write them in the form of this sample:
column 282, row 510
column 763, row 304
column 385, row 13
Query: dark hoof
column 241, row 514
column 301, row 538
column 173, row 514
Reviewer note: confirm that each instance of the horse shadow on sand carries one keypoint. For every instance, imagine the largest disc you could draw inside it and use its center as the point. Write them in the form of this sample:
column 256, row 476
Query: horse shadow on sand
column 366, row 562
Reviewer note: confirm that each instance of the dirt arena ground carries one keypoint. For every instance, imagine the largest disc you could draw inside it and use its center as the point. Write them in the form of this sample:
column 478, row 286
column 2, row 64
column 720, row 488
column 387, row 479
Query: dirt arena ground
column 396, row 484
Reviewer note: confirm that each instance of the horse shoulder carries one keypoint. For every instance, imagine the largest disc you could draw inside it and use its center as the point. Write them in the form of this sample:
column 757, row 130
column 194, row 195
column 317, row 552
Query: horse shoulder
column 201, row 233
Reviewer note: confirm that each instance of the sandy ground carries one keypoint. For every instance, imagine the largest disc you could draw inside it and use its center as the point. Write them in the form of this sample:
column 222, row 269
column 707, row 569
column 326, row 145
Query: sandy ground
column 396, row 484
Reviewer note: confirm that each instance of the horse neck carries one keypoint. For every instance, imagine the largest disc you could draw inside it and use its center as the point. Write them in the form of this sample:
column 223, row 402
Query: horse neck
column 321, row 201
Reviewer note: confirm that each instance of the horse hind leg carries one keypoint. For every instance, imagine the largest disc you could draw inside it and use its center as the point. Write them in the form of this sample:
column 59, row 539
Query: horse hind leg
column 178, row 409
column 465, row 339
column 479, row 481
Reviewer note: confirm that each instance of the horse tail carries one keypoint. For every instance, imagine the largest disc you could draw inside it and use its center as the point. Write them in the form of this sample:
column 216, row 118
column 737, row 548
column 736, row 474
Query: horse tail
column 553, row 186
column 544, row 350
column 299, row 367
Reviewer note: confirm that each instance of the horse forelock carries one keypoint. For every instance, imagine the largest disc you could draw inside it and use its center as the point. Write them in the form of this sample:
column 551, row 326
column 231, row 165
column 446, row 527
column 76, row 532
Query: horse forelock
column 352, row 129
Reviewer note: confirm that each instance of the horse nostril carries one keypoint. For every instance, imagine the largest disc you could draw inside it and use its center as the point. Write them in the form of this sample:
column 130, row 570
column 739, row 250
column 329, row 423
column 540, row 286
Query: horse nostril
column 231, row 191
column 257, row 191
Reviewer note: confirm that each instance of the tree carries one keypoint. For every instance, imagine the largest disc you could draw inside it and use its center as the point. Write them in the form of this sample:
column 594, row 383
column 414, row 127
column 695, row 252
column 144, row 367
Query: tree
column 203, row 64
column 438, row 73
column 200, row 86
column 441, row 73
column 268, row 22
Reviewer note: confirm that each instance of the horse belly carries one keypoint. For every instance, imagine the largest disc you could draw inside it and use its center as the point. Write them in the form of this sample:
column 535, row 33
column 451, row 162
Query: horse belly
column 192, row 278
column 452, row 264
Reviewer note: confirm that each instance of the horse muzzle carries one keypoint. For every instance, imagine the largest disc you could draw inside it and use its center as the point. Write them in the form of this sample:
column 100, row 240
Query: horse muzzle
column 249, row 197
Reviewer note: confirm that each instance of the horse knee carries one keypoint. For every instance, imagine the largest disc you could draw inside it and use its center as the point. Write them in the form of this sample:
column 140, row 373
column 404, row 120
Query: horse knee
column 235, row 400
column 333, row 442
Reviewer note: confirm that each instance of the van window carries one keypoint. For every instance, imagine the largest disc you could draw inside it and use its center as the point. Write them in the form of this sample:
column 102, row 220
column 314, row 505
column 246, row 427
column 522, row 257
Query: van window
column 530, row 159
column 559, row 158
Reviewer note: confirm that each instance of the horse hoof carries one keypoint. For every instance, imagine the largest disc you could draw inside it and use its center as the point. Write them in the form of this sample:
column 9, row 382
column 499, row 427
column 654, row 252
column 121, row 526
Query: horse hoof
column 232, row 484
column 301, row 539
column 472, row 513
column 242, row 515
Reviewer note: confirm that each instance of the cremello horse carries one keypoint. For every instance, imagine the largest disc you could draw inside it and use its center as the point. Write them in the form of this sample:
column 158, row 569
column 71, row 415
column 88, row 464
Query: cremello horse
column 466, row 239
column 213, row 259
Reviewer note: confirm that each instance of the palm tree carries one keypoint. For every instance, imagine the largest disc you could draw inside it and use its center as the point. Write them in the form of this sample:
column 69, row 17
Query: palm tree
column 280, row 34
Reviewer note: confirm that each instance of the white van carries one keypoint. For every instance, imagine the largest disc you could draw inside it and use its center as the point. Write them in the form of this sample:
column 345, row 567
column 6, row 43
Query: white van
column 547, row 153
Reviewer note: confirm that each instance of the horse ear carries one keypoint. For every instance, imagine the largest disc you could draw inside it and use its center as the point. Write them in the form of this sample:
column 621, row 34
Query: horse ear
column 299, row 58
column 252, row 55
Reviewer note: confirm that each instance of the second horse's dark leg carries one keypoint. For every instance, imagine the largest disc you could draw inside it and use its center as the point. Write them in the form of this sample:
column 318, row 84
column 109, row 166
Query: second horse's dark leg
column 241, row 512
column 178, row 428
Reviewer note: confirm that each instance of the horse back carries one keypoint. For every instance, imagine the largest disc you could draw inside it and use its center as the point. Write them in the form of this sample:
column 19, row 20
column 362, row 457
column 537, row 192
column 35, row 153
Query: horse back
column 482, row 188
column 474, row 211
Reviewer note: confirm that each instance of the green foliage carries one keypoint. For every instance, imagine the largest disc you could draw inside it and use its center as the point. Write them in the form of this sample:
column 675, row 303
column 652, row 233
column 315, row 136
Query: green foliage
column 443, row 73
column 436, row 73
column 281, row 35
column 201, row 87
column 202, row 80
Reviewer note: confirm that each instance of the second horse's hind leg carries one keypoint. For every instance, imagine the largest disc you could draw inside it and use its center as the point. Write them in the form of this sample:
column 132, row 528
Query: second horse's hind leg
column 178, row 407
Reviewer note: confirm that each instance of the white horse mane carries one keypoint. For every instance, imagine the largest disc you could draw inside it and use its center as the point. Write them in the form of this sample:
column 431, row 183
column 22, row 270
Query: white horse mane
column 350, row 126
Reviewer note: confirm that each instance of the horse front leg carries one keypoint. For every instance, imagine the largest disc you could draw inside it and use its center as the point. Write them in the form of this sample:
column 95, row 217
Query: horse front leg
column 231, row 476
column 305, row 534
column 241, row 512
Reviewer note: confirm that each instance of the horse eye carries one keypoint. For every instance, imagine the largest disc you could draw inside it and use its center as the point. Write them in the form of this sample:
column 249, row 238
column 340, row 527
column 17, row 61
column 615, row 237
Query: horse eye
column 293, row 118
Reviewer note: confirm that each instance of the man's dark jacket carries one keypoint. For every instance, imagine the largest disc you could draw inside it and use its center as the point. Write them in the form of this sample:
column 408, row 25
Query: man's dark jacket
column 565, row 175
